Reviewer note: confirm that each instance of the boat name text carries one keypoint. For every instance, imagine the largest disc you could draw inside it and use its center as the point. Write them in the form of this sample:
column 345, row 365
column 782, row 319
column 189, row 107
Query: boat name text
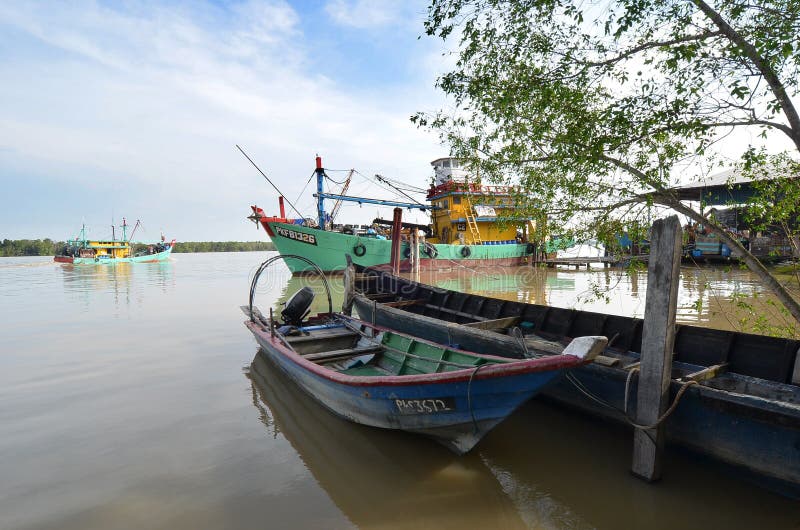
column 297, row 236
column 425, row 406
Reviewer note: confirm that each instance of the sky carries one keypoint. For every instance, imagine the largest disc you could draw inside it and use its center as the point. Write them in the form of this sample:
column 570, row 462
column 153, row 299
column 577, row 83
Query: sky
column 134, row 109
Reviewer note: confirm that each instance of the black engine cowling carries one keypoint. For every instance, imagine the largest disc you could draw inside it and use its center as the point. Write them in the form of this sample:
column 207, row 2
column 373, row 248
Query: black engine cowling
column 298, row 306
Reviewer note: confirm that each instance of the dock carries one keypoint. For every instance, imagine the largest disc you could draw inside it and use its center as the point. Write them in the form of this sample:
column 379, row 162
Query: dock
column 587, row 261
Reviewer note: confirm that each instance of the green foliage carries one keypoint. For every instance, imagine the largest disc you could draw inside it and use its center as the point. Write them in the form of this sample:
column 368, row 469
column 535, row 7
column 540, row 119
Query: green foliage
column 223, row 246
column 592, row 107
column 29, row 247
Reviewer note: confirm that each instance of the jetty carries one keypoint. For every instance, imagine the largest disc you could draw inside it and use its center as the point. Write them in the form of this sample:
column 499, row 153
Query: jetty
column 587, row 261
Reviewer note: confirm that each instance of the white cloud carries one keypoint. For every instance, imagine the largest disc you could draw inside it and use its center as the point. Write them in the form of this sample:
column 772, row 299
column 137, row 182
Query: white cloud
column 367, row 14
column 156, row 97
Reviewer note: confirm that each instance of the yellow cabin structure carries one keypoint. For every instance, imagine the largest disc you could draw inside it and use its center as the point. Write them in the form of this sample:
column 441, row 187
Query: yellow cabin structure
column 469, row 213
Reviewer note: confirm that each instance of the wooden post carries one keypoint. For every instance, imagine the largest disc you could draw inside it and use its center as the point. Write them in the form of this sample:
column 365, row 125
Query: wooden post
column 413, row 240
column 397, row 223
column 658, row 340
column 349, row 286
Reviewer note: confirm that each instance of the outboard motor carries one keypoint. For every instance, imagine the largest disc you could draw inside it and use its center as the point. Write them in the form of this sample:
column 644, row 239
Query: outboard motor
column 298, row 306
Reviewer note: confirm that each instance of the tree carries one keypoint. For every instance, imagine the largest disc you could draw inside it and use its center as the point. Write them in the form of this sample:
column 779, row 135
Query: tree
column 594, row 108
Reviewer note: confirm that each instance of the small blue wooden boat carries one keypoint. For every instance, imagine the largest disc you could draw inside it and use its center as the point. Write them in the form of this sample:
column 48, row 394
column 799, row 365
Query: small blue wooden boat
column 372, row 375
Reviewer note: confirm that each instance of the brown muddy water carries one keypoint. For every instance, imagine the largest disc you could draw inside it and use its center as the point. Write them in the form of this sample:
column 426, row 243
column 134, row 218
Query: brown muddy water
column 129, row 399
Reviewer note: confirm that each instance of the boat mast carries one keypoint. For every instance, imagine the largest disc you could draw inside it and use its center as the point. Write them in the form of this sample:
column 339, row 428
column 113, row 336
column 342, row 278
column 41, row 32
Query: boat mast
column 338, row 204
column 138, row 222
column 124, row 230
column 320, row 194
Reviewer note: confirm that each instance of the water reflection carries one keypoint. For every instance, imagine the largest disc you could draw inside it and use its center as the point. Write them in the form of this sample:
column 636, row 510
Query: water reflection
column 723, row 298
column 286, row 285
column 719, row 297
column 82, row 283
column 544, row 467
column 380, row 478
column 577, row 467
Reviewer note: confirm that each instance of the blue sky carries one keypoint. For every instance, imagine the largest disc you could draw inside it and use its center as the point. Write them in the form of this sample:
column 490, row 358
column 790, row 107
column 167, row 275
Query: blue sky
column 112, row 109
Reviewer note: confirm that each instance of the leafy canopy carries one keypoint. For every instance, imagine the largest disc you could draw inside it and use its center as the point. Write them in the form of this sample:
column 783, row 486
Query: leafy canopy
column 592, row 105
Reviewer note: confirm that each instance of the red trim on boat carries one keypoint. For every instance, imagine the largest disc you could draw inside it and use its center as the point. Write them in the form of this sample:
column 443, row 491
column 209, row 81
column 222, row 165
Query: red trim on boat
column 265, row 220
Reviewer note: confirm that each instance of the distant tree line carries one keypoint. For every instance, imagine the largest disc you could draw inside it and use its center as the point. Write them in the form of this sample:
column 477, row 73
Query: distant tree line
column 29, row 247
column 223, row 246
column 48, row 247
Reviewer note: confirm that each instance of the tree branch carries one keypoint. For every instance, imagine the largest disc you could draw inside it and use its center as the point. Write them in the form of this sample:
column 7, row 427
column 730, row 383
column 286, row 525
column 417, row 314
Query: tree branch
column 762, row 65
column 656, row 44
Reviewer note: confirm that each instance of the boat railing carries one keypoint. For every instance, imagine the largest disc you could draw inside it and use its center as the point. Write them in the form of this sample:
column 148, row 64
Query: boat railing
column 471, row 187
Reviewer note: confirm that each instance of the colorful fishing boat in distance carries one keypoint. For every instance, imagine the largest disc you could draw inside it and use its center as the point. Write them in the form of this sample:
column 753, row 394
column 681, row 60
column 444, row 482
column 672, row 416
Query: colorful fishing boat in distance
column 83, row 251
column 375, row 376
column 472, row 225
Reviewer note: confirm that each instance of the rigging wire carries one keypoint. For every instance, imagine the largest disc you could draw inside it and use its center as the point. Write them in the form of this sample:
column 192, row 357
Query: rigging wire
column 371, row 181
column 400, row 185
column 406, row 195
column 336, row 181
column 268, row 180
column 300, row 195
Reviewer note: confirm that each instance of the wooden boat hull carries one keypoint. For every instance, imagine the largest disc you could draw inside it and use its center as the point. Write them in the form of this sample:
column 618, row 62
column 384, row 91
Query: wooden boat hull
column 455, row 408
column 352, row 463
column 748, row 416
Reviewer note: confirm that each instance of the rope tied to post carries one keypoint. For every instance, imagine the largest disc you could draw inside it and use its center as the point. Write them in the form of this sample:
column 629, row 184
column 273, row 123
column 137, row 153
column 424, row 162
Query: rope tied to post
column 682, row 390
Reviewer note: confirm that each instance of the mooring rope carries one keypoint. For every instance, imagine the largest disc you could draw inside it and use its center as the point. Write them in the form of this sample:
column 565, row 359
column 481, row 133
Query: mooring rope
column 469, row 398
column 624, row 411
column 517, row 332
column 682, row 390
column 586, row 392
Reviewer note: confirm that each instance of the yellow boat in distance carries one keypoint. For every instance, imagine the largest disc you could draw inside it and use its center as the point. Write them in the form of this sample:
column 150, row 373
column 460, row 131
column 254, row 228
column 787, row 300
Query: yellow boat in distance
column 82, row 251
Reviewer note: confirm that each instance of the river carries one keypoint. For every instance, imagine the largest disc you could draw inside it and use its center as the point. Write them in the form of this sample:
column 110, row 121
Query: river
column 129, row 399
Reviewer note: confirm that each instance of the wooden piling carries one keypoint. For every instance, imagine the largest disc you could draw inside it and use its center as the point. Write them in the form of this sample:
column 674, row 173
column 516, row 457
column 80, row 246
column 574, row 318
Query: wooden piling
column 413, row 241
column 658, row 339
column 349, row 286
column 394, row 259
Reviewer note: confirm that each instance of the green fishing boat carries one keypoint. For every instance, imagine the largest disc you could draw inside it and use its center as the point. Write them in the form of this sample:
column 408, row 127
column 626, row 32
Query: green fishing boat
column 83, row 251
column 472, row 225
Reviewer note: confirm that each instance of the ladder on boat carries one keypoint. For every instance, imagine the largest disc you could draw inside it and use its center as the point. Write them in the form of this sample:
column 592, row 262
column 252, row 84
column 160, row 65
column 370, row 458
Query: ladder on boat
column 471, row 223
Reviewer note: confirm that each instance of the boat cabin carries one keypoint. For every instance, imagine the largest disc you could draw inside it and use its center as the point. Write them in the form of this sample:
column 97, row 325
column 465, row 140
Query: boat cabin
column 110, row 249
column 470, row 213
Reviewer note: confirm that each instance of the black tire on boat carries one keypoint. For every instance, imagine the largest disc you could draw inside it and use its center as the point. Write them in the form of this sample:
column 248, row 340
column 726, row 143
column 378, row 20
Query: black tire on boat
column 466, row 251
column 359, row 250
column 530, row 248
column 431, row 251
column 407, row 252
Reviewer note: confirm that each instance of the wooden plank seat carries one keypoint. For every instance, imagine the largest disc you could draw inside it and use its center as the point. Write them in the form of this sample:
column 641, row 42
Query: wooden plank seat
column 338, row 355
column 321, row 335
column 497, row 323
column 454, row 312
column 380, row 296
column 405, row 303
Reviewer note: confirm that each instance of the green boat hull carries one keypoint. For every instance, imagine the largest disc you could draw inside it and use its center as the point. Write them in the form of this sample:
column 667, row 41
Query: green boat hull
column 327, row 249
column 147, row 258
